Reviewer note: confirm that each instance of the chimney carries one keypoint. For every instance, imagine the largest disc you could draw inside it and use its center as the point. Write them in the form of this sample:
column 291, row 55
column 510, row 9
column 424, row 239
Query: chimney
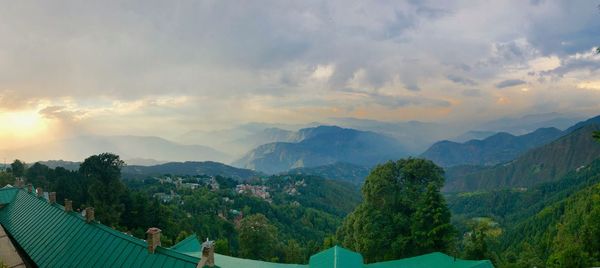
column 52, row 197
column 153, row 239
column 30, row 188
column 208, row 254
column 39, row 191
column 89, row 214
column 68, row 205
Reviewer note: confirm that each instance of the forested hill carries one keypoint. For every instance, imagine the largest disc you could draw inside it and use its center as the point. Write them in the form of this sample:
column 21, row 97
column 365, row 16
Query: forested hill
column 539, row 225
column 190, row 168
column 498, row 148
column 542, row 164
column 338, row 171
column 321, row 146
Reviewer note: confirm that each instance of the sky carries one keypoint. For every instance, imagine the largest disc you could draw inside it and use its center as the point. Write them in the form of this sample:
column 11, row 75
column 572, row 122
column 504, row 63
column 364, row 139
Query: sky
column 162, row 68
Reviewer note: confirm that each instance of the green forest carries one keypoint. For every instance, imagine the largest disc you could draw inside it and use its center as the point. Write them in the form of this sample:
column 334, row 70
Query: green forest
column 398, row 212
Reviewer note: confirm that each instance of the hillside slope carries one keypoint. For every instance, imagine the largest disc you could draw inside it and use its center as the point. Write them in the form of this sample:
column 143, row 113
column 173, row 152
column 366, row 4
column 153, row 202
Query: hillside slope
column 495, row 149
column 338, row 171
column 531, row 219
column 542, row 164
column 190, row 168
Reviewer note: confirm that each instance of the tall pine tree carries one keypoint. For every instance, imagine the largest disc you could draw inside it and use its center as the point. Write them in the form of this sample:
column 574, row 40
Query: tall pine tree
column 432, row 230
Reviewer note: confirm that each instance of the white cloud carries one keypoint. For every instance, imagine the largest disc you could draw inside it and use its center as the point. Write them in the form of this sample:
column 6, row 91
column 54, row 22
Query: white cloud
column 323, row 72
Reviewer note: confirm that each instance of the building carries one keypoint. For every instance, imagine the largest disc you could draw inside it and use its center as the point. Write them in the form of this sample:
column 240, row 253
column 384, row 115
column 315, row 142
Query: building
column 35, row 231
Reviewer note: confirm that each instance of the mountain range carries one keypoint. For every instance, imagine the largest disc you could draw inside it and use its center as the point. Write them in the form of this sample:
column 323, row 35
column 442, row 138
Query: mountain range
column 498, row 148
column 542, row 164
column 320, row 146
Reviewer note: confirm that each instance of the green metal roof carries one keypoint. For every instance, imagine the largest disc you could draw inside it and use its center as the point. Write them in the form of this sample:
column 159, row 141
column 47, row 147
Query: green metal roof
column 191, row 246
column 435, row 259
column 335, row 257
column 7, row 195
column 52, row 237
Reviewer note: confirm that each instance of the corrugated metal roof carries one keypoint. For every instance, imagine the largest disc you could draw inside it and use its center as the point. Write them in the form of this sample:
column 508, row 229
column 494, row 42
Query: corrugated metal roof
column 335, row 257
column 55, row 238
column 7, row 195
column 191, row 246
column 435, row 259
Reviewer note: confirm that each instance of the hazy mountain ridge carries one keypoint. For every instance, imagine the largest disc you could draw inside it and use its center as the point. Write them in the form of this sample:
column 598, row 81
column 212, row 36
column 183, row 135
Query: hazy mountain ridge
column 528, row 123
column 321, row 146
column 127, row 146
column 240, row 139
column 542, row 164
column 472, row 135
column 495, row 149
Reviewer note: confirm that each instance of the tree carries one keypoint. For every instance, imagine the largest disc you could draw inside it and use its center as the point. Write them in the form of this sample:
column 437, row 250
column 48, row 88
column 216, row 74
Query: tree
column 385, row 224
column 37, row 175
column 222, row 246
column 596, row 134
column 103, row 172
column 432, row 230
column 258, row 238
column 17, row 168
column 476, row 245
column 293, row 252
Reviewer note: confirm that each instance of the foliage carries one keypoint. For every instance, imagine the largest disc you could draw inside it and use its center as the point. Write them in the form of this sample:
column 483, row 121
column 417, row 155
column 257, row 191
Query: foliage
column 431, row 225
column 18, row 168
column 402, row 213
column 103, row 173
column 352, row 173
column 258, row 238
column 6, row 178
column 552, row 224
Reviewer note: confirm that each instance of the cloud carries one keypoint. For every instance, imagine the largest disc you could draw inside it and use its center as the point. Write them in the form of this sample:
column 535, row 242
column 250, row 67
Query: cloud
column 461, row 80
column 588, row 61
column 472, row 93
column 212, row 63
column 510, row 83
column 61, row 113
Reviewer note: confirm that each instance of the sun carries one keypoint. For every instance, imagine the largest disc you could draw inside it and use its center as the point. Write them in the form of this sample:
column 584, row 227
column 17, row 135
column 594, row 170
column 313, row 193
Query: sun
column 19, row 126
column 26, row 121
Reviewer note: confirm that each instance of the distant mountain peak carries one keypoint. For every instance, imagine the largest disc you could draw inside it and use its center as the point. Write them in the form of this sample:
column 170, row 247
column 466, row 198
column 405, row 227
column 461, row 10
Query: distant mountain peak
column 323, row 145
column 495, row 149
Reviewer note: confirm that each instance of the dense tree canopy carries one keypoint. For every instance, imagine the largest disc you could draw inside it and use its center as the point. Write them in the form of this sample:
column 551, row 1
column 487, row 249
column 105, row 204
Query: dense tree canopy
column 403, row 213
column 103, row 173
column 258, row 238
column 17, row 168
